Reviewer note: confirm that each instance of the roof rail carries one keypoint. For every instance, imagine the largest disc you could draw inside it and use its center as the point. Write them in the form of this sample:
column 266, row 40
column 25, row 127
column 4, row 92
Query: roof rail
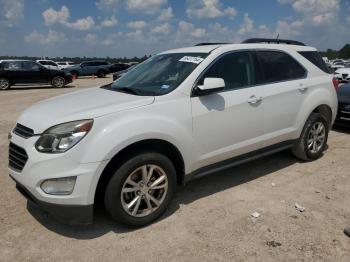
column 272, row 41
column 201, row 44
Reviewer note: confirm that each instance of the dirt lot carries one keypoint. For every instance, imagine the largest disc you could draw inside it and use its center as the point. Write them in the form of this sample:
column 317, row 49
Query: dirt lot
column 209, row 220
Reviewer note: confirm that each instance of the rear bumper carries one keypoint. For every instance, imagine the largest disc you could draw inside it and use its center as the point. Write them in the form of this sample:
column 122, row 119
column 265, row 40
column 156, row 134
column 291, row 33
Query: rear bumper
column 66, row 214
column 69, row 79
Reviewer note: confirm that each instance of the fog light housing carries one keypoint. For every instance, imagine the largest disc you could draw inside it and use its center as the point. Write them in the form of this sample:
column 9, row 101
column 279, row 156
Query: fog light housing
column 59, row 186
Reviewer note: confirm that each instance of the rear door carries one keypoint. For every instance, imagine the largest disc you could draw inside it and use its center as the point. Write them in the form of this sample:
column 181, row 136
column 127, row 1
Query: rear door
column 229, row 123
column 285, row 87
column 35, row 73
column 14, row 71
column 89, row 68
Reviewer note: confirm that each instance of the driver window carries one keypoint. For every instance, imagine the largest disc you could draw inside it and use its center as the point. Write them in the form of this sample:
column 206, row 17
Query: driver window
column 235, row 68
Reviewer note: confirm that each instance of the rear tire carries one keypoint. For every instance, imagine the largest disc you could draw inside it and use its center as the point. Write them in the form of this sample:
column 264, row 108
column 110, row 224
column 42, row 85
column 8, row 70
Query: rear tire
column 141, row 189
column 313, row 139
column 58, row 82
column 101, row 74
column 4, row 84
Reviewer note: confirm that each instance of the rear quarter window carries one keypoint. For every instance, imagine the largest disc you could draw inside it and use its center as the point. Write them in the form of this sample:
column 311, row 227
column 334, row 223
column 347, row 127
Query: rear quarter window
column 315, row 58
column 276, row 66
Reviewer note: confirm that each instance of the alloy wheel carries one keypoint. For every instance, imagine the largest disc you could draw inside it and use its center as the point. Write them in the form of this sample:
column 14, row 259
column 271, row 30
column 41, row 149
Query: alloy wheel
column 58, row 82
column 316, row 137
column 4, row 84
column 144, row 190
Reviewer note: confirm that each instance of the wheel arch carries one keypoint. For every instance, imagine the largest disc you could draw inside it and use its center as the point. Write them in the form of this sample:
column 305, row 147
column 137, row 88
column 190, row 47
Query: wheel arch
column 156, row 145
column 326, row 112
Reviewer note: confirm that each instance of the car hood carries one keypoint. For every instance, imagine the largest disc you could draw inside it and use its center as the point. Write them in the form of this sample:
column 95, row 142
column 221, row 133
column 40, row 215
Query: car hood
column 343, row 71
column 87, row 104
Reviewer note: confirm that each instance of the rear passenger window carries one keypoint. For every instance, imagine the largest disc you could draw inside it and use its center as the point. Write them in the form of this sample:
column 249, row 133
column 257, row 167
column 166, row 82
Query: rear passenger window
column 278, row 66
column 315, row 58
column 12, row 65
column 236, row 69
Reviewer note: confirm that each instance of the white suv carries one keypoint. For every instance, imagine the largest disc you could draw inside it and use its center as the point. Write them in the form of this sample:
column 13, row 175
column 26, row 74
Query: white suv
column 179, row 115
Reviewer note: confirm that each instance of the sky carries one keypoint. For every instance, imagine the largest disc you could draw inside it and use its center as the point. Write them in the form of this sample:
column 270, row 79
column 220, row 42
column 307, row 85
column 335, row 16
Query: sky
column 128, row 28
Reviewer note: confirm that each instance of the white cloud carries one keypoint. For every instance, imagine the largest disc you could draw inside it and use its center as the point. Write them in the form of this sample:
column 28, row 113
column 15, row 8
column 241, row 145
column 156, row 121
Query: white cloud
column 82, row 24
column 247, row 26
column 11, row 12
column 147, row 6
column 52, row 16
column 163, row 29
column 316, row 12
column 112, row 39
column 107, row 5
column 51, row 38
column 109, row 22
column 61, row 16
column 137, row 25
column 188, row 33
column 166, row 14
column 90, row 39
column 208, row 9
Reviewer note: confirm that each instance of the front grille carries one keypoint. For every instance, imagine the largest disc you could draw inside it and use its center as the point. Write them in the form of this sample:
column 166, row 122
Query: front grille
column 344, row 107
column 345, row 76
column 23, row 131
column 17, row 157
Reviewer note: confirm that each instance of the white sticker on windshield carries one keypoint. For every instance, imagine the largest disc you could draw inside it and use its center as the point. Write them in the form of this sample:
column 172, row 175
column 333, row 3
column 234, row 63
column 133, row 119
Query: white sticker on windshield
column 191, row 59
column 165, row 86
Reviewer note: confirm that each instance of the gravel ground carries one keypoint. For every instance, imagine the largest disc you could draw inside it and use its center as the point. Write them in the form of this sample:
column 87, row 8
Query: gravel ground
column 209, row 219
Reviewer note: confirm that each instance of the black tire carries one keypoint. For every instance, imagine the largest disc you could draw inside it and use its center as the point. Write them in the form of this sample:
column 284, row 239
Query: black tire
column 101, row 74
column 4, row 84
column 301, row 149
column 113, row 195
column 58, row 82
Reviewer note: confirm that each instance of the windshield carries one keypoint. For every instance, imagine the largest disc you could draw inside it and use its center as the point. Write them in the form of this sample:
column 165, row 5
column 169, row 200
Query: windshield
column 158, row 75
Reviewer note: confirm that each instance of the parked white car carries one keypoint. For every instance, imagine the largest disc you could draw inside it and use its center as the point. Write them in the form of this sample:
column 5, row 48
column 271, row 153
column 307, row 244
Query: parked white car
column 181, row 114
column 343, row 75
column 63, row 65
column 48, row 64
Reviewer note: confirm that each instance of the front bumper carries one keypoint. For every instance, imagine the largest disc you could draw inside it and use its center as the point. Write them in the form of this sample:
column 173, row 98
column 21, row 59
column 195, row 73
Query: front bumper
column 66, row 214
column 343, row 116
column 74, row 208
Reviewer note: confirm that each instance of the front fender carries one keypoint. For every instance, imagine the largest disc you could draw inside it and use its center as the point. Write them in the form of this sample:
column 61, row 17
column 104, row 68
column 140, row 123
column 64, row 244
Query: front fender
column 132, row 127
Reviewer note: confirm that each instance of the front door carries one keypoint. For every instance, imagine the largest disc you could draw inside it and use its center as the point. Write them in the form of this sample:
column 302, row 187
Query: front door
column 228, row 123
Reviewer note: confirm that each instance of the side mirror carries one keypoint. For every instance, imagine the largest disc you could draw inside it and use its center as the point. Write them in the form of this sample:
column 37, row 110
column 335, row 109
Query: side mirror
column 210, row 85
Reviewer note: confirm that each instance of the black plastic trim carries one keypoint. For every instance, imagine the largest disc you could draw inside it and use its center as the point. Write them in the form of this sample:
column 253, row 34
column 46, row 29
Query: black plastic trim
column 272, row 41
column 238, row 160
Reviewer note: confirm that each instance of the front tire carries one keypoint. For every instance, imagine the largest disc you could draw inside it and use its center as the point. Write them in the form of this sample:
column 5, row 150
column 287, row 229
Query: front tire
column 4, row 84
column 141, row 189
column 58, row 82
column 313, row 139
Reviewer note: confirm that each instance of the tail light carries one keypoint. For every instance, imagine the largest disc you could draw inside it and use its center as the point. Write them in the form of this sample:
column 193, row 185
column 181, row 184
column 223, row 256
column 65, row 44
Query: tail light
column 335, row 84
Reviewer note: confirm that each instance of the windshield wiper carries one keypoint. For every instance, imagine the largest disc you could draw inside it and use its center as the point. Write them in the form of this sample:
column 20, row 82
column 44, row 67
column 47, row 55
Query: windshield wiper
column 127, row 90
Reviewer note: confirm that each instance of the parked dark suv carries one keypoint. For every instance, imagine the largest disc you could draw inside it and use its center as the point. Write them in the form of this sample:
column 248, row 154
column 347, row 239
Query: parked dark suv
column 99, row 68
column 14, row 72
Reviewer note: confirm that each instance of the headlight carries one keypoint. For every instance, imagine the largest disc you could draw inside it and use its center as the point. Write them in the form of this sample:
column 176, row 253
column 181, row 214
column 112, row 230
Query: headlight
column 59, row 186
column 60, row 138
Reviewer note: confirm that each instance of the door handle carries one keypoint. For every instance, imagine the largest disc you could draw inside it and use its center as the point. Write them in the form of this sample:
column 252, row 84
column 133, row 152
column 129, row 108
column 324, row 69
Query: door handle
column 302, row 88
column 253, row 100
